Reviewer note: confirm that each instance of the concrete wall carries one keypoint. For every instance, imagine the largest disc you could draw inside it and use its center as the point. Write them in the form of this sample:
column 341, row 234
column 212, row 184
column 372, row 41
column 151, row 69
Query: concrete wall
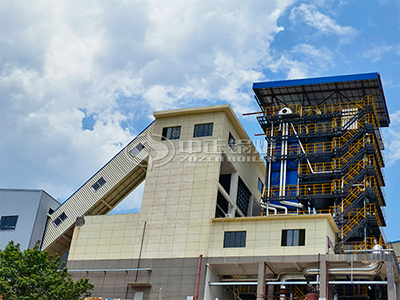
column 170, row 279
column 46, row 202
column 263, row 235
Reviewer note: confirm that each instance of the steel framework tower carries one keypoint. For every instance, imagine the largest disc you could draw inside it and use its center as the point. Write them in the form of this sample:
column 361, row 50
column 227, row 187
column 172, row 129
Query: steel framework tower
column 324, row 152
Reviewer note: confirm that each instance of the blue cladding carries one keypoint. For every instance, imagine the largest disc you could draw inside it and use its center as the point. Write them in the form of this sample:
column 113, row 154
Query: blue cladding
column 318, row 80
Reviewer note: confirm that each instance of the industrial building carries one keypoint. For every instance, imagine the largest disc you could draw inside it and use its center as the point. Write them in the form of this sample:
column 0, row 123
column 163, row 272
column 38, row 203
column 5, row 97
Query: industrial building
column 219, row 221
column 23, row 216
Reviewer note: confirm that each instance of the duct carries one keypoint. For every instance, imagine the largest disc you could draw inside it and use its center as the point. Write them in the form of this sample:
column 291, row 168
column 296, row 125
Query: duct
column 226, row 283
column 293, row 277
column 275, row 206
column 372, row 269
column 294, row 204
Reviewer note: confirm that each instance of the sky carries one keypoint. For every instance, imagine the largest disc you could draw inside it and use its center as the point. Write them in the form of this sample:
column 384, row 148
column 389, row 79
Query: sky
column 79, row 79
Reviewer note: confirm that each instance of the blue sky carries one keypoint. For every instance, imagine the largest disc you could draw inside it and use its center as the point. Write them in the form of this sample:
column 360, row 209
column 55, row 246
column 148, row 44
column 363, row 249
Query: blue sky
column 79, row 79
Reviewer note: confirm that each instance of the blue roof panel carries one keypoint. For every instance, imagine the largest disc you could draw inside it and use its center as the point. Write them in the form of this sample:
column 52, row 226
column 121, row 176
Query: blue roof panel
column 317, row 80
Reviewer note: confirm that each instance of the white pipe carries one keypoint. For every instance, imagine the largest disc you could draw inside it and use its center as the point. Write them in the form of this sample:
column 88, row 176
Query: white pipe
column 369, row 270
column 275, row 206
column 302, row 149
column 224, row 283
column 270, row 163
column 285, row 130
column 268, row 207
column 294, row 204
column 280, row 174
column 293, row 277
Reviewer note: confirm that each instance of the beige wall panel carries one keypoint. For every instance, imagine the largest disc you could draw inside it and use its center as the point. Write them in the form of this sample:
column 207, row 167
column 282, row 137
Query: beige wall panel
column 85, row 198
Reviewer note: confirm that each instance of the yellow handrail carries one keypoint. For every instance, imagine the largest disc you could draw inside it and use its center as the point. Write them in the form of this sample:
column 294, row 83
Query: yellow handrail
column 357, row 215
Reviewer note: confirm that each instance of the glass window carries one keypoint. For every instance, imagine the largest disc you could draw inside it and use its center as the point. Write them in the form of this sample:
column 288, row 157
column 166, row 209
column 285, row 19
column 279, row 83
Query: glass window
column 203, row 130
column 243, row 197
column 99, row 183
column 234, row 239
column 171, row 133
column 60, row 219
column 135, row 150
column 260, row 185
column 231, row 141
column 293, row 237
column 8, row 222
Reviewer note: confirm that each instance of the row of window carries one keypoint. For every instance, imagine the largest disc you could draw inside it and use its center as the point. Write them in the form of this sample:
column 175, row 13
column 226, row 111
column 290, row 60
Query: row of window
column 174, row 133
column 292, row 237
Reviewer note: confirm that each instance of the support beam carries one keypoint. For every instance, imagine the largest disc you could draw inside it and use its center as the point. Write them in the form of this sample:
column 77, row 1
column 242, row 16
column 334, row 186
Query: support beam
column 323, row 278
column 390, row 277
column 261, row 281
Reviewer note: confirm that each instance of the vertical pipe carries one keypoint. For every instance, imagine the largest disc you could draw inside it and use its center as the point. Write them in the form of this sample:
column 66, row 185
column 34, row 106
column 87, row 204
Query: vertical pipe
column 270, row 163
column 140, row 252
column 286, row 131
column 198, row 278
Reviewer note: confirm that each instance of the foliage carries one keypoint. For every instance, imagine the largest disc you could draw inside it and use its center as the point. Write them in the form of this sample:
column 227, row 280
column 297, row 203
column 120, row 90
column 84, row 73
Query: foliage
column 33, row 274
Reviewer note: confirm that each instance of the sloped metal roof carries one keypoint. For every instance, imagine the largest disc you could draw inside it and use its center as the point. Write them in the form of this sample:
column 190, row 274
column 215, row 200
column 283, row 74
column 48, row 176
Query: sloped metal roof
column 324, row 90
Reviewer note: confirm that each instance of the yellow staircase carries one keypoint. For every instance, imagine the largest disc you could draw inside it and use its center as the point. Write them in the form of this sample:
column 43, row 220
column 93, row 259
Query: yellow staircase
column 297, row 292
column 356, row 217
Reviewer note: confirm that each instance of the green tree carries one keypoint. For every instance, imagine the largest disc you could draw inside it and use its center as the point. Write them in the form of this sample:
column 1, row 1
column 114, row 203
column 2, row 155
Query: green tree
column 33, row 274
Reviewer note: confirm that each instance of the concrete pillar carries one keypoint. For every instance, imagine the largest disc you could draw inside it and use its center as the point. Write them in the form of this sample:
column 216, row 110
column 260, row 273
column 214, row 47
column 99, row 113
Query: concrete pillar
column 233, row 192
column 270, row 291
column 390, row 277
column 261, row 281
column 323, row 278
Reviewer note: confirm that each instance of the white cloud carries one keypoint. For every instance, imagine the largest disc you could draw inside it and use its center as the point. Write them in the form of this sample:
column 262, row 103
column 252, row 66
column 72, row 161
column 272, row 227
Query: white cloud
column 302, row 61
column 118, row 61
column 392, row 141
column 376, row 53
column 325, row 25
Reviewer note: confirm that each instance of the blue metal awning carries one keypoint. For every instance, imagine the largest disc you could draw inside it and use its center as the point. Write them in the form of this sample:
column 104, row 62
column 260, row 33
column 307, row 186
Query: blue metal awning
column 324, row 90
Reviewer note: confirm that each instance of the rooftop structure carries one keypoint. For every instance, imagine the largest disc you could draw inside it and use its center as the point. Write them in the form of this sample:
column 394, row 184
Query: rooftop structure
column 219, row 222
column 325, row 151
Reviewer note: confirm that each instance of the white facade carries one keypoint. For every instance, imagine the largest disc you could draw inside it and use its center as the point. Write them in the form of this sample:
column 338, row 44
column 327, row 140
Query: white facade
column 28, row 210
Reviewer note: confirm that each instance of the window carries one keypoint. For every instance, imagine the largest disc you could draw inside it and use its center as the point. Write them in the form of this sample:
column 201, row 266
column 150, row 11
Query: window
column 59, row 219
column 171, row 133
column 203, row 130
column 234, row 239
column 260, row 185
column 243, row 197
column 231, row 142
column 135, row 151
column 8, row 222
column 294, row 237
column 98, row 184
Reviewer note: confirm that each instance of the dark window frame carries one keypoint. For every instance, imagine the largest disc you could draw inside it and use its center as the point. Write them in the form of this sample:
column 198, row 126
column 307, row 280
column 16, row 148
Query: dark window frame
column 260, row 185
column 201, row 130
column 235, row 239
column 98, row 184
column 231, row 141
column 61, row 218
column 136, row 150
column 8, row 222
column 293, row 237
column 171, row 133
column 243, row 196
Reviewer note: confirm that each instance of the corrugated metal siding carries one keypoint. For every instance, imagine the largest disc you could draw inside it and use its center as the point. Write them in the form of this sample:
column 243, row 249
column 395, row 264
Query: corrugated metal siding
column 85, row 198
